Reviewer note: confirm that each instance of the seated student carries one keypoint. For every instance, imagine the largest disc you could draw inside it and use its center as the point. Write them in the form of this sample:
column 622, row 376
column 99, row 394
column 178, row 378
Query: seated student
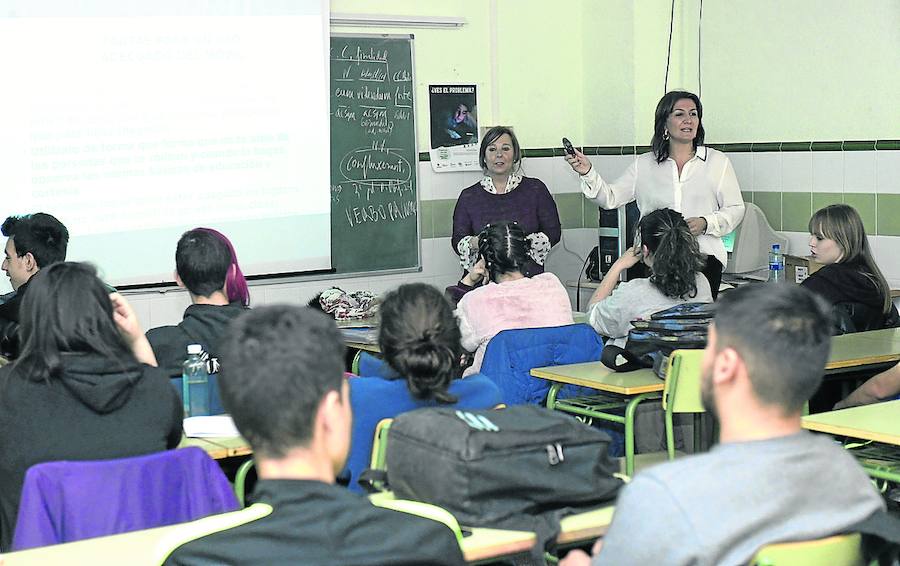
column 670, row 251
column 282, row 383
column 850, row 276
column 509, row 300
column 880, row 387
column 768, row 480
column 83, row 387
column 206, row 266
column 35, row 241
column 420, row 341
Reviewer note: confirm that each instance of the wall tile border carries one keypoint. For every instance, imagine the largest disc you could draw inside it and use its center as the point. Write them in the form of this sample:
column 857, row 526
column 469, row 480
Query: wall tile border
column 738, row 147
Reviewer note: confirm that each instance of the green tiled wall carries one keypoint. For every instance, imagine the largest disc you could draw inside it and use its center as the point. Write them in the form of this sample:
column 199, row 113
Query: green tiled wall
column 787, row 211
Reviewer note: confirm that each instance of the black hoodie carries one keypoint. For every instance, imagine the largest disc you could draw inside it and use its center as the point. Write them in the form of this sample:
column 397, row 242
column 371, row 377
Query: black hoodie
column 202, row 324
column 98, row 409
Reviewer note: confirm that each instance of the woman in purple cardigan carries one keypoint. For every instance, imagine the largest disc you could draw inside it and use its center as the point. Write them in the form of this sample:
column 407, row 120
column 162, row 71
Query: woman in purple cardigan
column 504, row 194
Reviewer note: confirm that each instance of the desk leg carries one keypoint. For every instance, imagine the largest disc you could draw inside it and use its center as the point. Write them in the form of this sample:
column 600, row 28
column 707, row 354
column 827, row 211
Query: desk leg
column 551, row 395
column 630, row 409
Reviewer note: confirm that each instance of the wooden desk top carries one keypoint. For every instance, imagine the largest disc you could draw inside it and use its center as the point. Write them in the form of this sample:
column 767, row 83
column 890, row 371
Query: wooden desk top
column 879, row 422
column 485, row 544
column 219, row 448
column 864, row 348
column 585, row 526
column 597, row 376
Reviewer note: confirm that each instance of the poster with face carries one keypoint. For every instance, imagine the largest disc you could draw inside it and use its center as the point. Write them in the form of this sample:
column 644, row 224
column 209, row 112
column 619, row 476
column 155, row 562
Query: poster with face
column 454, row 127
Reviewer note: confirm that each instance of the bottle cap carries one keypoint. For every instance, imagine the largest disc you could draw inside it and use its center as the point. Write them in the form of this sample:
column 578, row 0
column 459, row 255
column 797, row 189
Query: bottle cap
column 194, row 348
column 776, row 246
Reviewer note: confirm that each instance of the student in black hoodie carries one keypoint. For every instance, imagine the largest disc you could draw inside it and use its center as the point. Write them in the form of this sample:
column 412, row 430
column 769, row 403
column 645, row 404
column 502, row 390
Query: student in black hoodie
column 83, row 387
column 850, row 279
column 206, row 265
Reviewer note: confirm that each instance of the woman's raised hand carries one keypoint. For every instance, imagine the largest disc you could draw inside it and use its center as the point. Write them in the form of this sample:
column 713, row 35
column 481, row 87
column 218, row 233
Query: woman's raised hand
column 579, row 162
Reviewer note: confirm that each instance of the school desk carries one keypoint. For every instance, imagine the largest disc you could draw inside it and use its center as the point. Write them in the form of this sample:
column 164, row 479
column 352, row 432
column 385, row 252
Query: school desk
column 878, row 423
column 219, row 448
column 860, row 350
column 138, row 548
column 617, row 390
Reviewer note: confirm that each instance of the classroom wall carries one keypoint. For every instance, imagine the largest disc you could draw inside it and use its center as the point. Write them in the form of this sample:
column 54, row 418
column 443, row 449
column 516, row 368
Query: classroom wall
column 800, row 71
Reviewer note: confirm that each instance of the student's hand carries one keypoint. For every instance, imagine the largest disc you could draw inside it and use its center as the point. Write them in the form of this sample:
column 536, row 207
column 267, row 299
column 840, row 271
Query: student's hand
column 130, row 329
column 477, row 274
column 697, row 225
column 473, row 242
column 627, row 260
column 125, row 318
column 579, row 162
column 576, row 558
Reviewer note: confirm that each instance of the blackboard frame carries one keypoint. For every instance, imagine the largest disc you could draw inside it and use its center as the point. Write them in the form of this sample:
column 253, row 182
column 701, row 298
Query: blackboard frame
column 414, row 165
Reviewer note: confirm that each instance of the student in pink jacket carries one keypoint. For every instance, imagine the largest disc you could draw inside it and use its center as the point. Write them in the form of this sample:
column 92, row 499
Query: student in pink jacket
column 508, row 300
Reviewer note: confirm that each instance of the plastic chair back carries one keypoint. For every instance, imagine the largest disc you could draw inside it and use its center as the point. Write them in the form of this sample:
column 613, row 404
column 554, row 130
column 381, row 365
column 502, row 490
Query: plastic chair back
column 379, row 446
column 682, row 391
column 683, row 376
column 840, row 550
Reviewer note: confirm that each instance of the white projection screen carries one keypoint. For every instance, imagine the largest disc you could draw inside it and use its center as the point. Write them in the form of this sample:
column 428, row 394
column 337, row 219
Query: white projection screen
column 133, row 121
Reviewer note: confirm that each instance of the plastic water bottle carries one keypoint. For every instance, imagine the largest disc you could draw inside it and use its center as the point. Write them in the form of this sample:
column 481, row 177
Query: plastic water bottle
column 776, row 264
column 195, row 383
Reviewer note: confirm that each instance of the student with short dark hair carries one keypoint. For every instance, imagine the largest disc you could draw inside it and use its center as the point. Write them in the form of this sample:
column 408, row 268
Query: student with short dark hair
column 671, row 253
column 206, row 266
column 509, row 300
column 282, row 382
column 420, row 341
column 34, row 242
column 768, row 480
column 83, row 387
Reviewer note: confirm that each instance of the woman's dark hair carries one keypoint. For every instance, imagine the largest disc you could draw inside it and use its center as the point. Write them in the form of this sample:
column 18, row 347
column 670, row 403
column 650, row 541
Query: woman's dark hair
column 676, row 255
column 419, row 338
column 659, row 143
column 503, row 247
column 68, row 310
column 493, row 135
column 842, row 223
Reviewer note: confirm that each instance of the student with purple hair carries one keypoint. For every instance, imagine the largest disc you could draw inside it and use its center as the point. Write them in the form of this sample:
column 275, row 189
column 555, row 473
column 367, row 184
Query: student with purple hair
column 205, row 265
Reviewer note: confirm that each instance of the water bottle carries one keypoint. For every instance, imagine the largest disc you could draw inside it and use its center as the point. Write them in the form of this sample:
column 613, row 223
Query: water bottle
column 776, row 264
column 195, row 383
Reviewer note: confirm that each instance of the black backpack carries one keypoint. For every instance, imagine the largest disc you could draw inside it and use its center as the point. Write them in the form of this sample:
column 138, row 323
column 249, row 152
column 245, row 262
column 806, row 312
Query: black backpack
column 650, row 342
column 523, row 467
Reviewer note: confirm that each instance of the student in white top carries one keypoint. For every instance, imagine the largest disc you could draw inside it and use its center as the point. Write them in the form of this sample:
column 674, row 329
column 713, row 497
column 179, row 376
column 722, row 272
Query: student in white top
column 680, row 173
column 665, row 244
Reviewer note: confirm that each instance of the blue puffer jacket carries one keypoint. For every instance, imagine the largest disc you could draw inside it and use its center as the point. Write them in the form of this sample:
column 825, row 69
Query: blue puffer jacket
column 511, row 355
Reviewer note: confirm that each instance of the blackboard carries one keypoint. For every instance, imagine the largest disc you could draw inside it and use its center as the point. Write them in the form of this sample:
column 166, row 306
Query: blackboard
column 374, row 197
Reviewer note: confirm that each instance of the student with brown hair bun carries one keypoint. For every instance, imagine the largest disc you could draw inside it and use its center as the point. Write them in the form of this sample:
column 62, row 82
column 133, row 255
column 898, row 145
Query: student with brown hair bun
column 420, row 341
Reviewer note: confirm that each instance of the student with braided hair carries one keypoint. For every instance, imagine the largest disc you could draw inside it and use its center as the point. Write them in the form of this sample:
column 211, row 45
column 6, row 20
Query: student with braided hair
column 670, row 251
column 420, row 341
column 509, row 300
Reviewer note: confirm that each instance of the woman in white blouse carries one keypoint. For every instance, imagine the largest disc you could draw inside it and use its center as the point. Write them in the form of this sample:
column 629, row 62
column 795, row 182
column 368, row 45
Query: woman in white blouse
column 679, row 173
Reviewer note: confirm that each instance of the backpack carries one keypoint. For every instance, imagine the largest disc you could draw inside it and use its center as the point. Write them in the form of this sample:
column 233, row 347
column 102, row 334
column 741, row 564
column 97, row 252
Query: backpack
column 651, row 341
column 521, row 468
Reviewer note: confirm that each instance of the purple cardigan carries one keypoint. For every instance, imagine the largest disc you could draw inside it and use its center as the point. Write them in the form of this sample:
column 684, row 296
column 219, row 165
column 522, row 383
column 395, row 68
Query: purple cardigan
column 529, row 204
